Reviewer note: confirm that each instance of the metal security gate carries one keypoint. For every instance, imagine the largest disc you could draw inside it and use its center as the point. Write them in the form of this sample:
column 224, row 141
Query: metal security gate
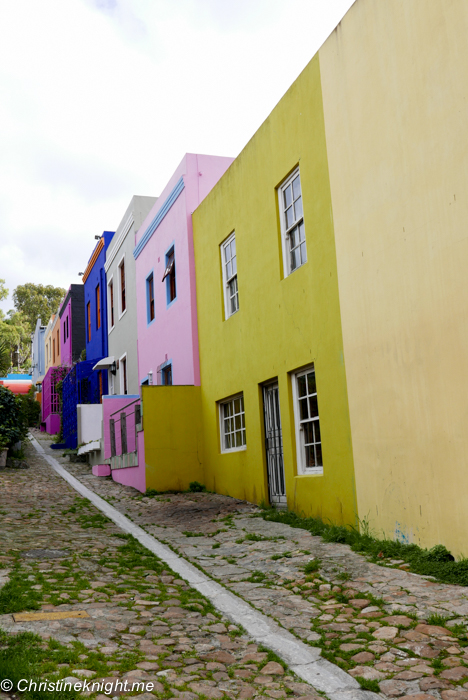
column 274, row 446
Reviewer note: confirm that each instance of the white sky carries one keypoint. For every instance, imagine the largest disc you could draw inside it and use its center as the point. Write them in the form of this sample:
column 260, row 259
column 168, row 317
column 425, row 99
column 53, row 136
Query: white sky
column 100, row 99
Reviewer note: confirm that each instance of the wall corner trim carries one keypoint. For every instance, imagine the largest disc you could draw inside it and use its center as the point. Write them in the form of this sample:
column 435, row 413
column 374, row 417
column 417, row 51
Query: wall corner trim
column 159, row 217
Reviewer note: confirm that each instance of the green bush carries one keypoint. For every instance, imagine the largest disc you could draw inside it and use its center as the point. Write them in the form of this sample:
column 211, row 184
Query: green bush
column 31, row 409
column 196, row 487
column 12, row 423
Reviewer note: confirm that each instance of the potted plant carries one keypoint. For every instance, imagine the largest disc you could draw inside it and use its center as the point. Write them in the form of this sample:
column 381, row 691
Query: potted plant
column 3, row 450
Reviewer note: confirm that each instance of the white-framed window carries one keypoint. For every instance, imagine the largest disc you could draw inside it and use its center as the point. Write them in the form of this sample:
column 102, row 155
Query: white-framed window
column 123, row 378
column 111, row 383
column 229, row 263
column 122, row 281
column 306, row 414
column 111, row 303
column 292, row 223
column 232, row 424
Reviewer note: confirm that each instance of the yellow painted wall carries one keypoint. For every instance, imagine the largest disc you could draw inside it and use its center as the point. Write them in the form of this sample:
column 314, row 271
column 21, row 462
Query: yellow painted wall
column 173, row 436
column 282, row 324
column 394, row 83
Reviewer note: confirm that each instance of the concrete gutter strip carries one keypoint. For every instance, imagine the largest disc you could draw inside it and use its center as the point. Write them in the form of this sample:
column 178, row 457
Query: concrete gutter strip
column 303, row 659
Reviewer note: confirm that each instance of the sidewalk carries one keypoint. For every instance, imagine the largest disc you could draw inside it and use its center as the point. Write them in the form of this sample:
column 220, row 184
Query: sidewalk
column 368, row 619
column 140, row 623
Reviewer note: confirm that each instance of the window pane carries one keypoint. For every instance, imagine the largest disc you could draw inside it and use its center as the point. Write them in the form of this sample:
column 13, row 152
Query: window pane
column 293, row 238
column 228, row 270
column 234, row 265
column 237, row 406
column 310, row 457
column 301, row 232
column 308, row 433
column 301, row 385
column 289, row 217
column 311, row 388
column 303, row 253
column 287, row 197
column 227, row 409
column 296, row 187
column 298, row 208
column 294, row 259
column 313, row 407
column 303, row 409
column 318, row 452
column 243, row 437
column 237, row 422
column 227, row 442
column 238, row 440
column 233, row 247
column 317, row 431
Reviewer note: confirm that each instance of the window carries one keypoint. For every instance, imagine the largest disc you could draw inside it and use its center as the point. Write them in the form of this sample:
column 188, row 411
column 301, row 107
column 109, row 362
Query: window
column 292, row 224
column 232, row 421
column 229, row 262
column 98, row 307
column 64, row 330
column 169, row 276
column 166, row 375
column 123, row 375
column 68, row 330
column 88, row 314
column 308, row 439
column 150, row 298
column 123, row 299
column 58, row 340
column 53, row 345
column 100, row 386
column 111, row 303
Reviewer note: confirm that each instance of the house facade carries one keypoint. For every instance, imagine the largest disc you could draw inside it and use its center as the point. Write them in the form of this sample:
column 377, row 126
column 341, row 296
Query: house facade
column 38, row 353
column 121, row 299
column 168, row 357
column 71, row 332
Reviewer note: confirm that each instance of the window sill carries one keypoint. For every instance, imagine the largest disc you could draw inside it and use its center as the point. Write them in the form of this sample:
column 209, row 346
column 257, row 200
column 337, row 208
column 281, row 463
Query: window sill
column 121, row 315
column 234, row 449
column 231, row 315
column 311, row 472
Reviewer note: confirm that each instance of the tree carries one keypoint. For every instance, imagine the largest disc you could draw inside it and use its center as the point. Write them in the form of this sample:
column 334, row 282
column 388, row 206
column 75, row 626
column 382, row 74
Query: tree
column 15, row 339
column 37, row 301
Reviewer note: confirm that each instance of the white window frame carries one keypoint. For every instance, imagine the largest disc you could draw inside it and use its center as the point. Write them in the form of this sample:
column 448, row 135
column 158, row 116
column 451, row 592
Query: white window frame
column 109, row 313
column 121, row 378
column 228, row 312
column 286, row 231
column 111, row 382
column 119, row 277
column 302, row 468
column 221, row 407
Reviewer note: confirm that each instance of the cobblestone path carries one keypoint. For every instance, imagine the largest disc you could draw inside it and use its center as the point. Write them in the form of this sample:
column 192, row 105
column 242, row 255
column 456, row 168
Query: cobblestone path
column 369, row 619
column 141, row 623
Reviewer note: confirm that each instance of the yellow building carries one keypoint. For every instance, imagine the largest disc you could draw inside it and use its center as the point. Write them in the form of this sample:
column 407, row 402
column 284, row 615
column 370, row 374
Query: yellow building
column 271, row 351
column 331, row 286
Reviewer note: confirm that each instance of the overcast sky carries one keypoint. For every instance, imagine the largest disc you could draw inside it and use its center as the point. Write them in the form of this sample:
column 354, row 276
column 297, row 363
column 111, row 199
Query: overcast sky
column 100, row 99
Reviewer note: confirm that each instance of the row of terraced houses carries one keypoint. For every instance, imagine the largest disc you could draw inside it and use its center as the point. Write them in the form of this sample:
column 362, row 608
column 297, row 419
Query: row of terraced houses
column 289, row 326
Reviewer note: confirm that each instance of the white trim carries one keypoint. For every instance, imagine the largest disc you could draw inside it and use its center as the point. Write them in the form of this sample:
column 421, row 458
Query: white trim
column 221, row 404
column 284, row 235
column 301, row 469
column 121, row 381
column 111, row 382
column 119, row 283
column 227, row 310
column 110, row 256
column 105, row 363
column 110, row 326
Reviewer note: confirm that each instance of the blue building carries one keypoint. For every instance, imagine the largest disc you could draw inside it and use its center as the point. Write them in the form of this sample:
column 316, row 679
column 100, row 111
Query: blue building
column 95, row 292
column 38, row 353
column 83, row 388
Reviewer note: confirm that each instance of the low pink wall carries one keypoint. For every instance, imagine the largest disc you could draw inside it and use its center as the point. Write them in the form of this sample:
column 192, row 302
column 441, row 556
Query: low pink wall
column 53, row 423
column 112, row 407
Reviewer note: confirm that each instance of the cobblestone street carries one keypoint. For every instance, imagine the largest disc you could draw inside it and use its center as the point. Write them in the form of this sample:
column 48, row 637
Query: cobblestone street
column 143, row 623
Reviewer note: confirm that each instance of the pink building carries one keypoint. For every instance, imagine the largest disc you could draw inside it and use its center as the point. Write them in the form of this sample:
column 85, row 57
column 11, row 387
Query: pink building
column 165, row 275
column 166, row 307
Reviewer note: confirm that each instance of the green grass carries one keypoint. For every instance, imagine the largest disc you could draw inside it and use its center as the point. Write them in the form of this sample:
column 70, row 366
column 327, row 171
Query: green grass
column 311, row 566
column 256, row 577
column 438, row 620
column 187, row 533
column 437, row 562
column 367, row 684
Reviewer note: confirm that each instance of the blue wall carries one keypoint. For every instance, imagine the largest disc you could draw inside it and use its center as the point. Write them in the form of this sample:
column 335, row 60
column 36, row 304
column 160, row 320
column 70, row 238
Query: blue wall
column 97, row 347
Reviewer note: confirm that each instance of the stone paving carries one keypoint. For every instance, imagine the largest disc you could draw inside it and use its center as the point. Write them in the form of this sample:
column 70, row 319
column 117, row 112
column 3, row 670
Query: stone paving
column 371, row 620
column 143, row 624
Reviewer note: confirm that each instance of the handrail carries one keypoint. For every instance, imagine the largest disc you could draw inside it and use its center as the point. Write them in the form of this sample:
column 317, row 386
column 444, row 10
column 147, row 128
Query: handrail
column 119, row 410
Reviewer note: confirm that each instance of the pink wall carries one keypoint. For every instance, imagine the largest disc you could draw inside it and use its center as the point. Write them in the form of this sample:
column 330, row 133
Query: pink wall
column 66, row 345
column 173, row 335
column 112, row 406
